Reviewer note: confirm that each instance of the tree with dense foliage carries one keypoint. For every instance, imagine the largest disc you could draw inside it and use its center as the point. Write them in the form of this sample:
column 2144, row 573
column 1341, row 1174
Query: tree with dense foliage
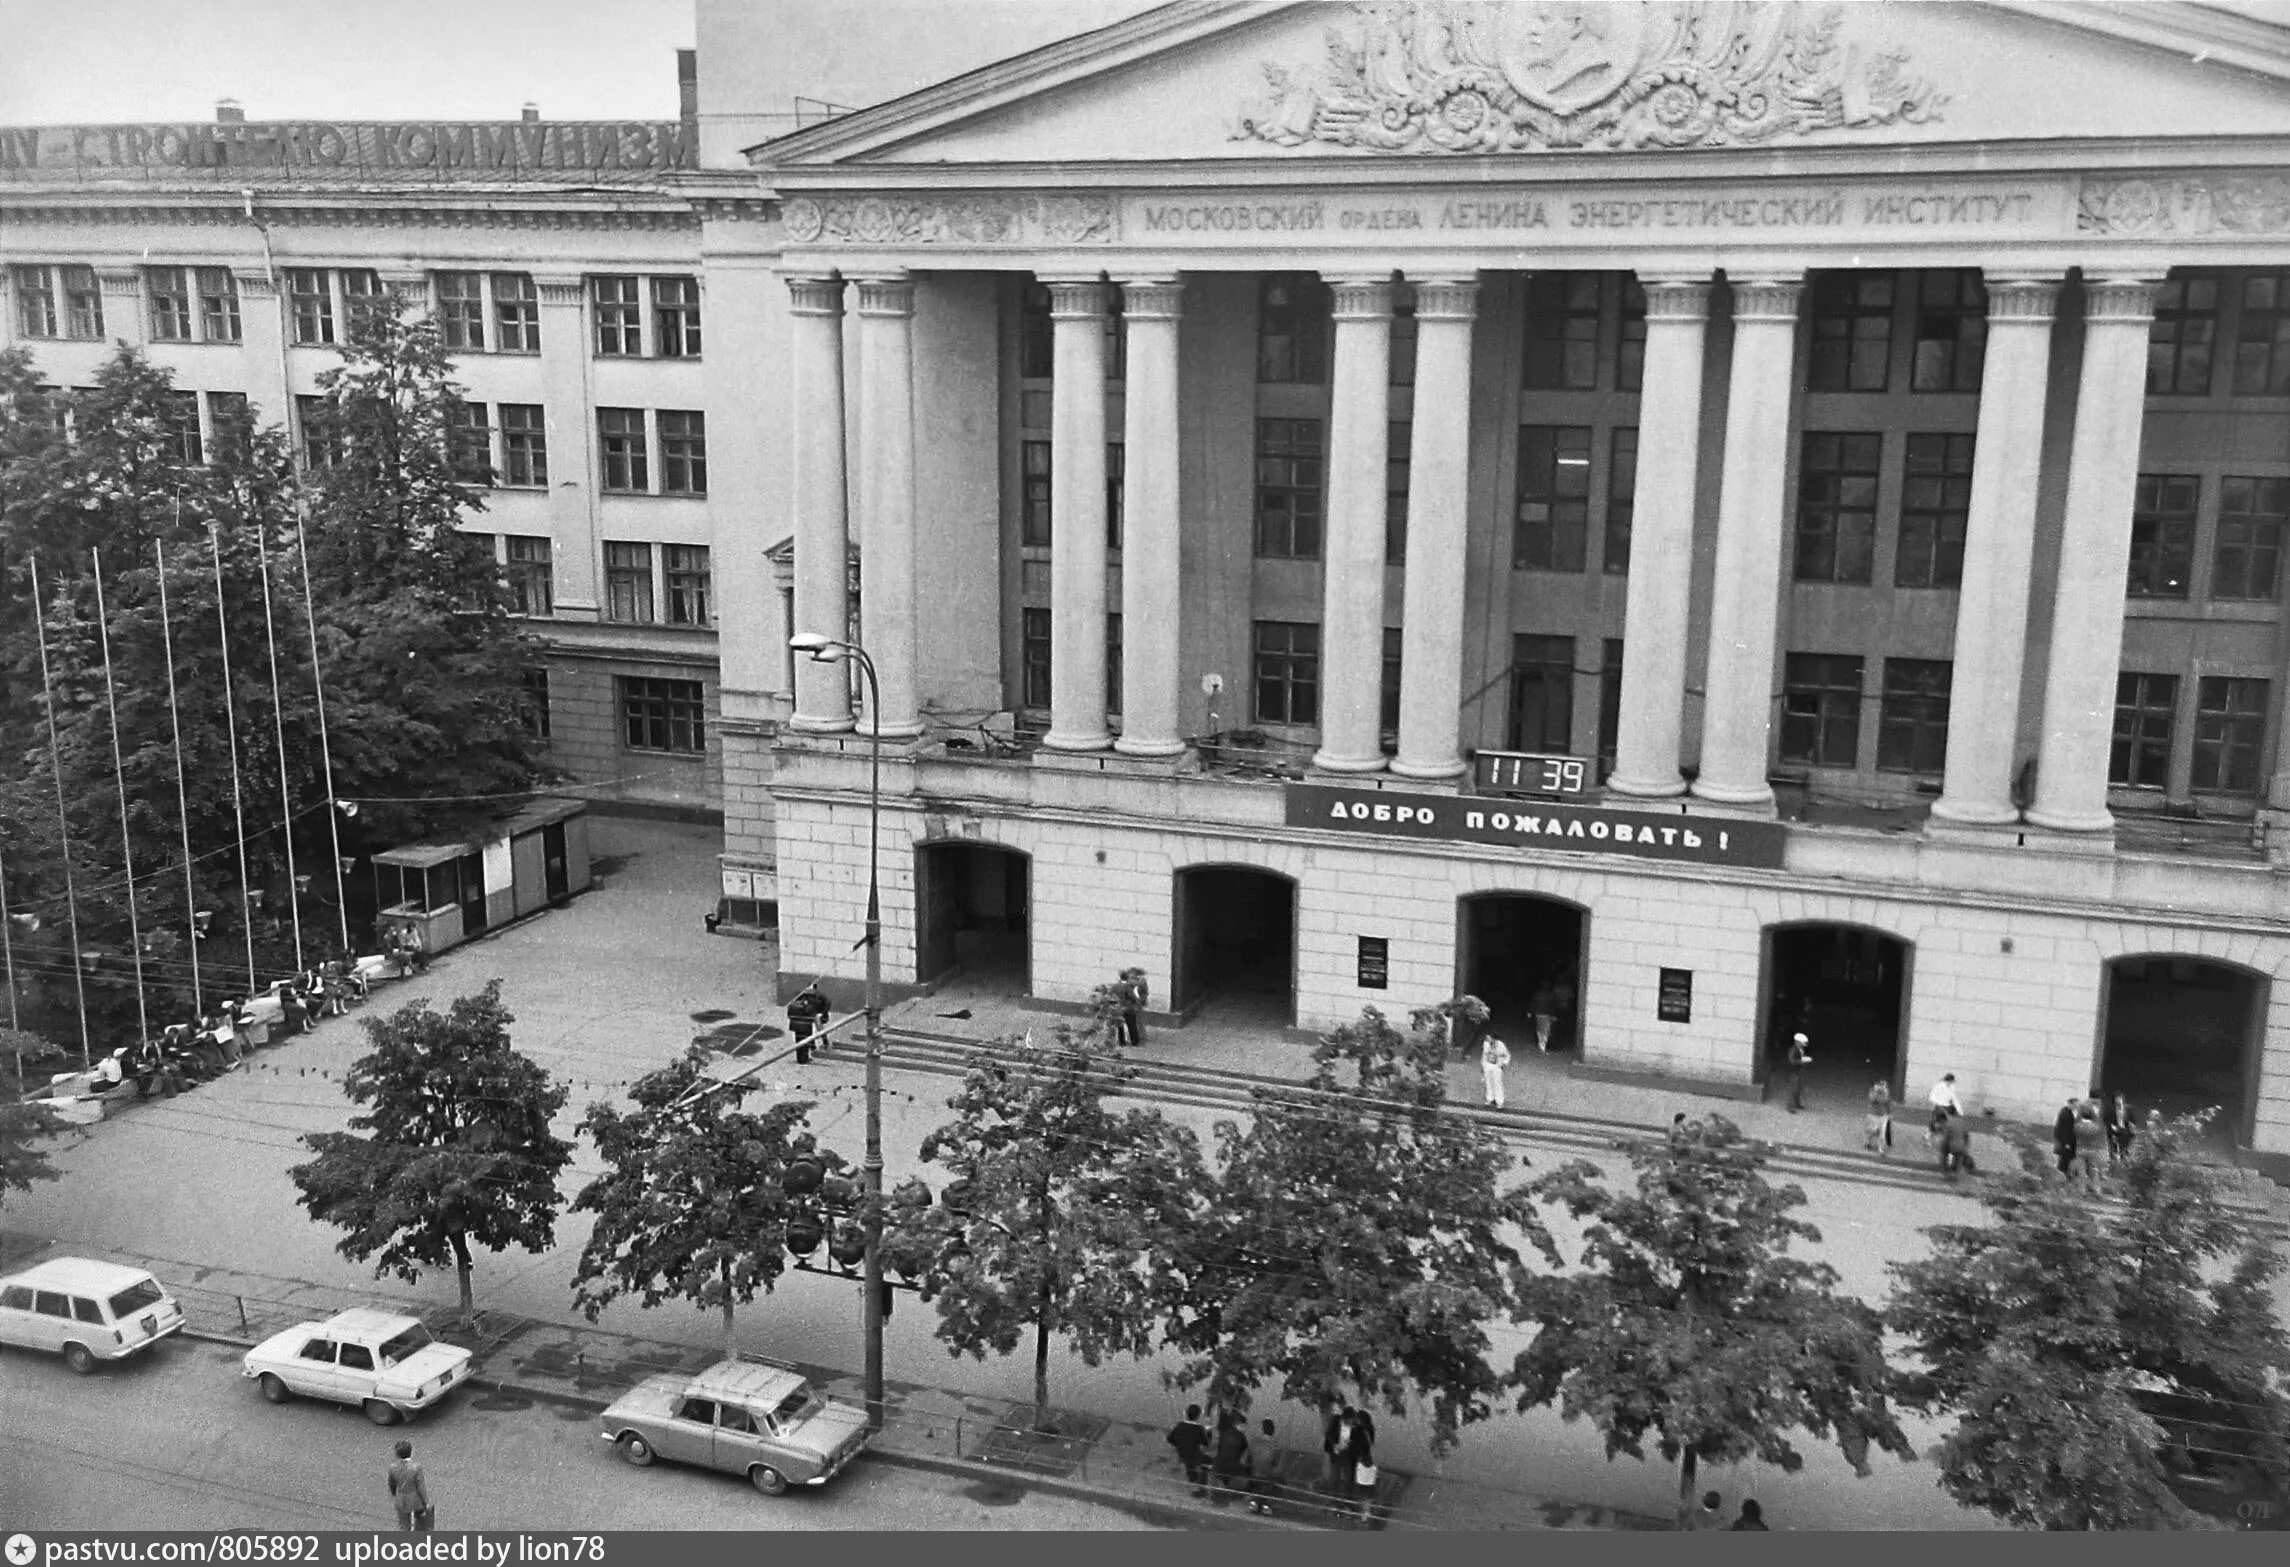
column 693, row 1203
column 1689, row 1323
column 22, row 1126
column 1359, row 1239
column 1061, row 1215
column 458, row 1150
column 2058, row 1331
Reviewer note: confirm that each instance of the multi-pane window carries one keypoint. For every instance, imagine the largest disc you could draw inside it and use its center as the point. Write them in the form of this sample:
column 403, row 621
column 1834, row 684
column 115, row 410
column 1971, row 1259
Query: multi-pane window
column 2248, row 560
column 2230, row 724
column 461, row 310
column 1403, row 340
column 664, row 715
column 469, row 436
column 83, row 302
column 628, row 582
column 1609, row 706
column 310, row 304
column 1561, row 332
column 683, row 452
column 1621, row 498
column 1288, row 493
column 529, row 575
column 1821, row 709
column 1912, row 725
column 1951, row 330
column 516, row 313
column 2146, row 710
column 533, row 711
column 1554, row 497
column 1542, row 693
column 1287, row 672
column 686, row 569
column 1034, row 493
column 620, row 438
column 2184, row 333
column 1935, row 499
column 1397, row 455
column 1116, row 492
column 1113, row 662
column 1034, row 658
column 182, row 420
column 619, row 311
column 321, row 437
column 1292, row 329
column 218, row 305
column 363, row 299
column 1852, row 332
column 169, row 292
column 524, row 445
column 1630, row 350
column 676, row 317
column 233, row 424
column 2163, row 535
column 1837, row 505
column 35, row 302
column 1394, row 640
column 2262, row 340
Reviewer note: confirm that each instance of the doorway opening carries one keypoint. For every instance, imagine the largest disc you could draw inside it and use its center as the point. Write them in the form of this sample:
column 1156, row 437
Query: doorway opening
column 1524, row 956
column 1843, row 988
column 971, row 904
column 2183, row 1034
column 1236, row 943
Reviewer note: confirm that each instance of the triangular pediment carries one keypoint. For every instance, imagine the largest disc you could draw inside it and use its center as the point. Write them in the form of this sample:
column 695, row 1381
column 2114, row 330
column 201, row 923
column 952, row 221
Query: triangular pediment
column 1214, row 81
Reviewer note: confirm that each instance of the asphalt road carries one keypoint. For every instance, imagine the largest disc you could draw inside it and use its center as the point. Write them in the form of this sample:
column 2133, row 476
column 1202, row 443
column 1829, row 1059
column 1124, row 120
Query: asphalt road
column 182, row 1441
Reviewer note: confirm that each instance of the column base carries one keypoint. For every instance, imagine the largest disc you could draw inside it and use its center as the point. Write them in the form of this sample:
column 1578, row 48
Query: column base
column 1149, row 748
column 1648, row 788
column 900, row 731
column 1327, row 762
column 1101, row 741
column 1402, row 767
column 808, row 724
column 1758, row 799
column 1975, row 813
column 2101, row 821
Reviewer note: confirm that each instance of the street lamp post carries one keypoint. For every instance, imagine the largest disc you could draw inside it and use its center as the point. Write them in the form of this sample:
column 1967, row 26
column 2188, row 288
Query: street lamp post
column 828, row 650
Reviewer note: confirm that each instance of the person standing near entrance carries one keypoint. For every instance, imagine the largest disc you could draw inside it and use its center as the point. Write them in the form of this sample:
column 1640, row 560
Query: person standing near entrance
column 2121, row 1128
column 2063, row 1135
column 805, row 1014
column 1800, row 1057
column 1494, row 1055
column 1133, row 995
column 1466, row 1021
column 2090, row 1146
column 1876, row 1131
column 1544, row 1006
column 1944, row 1104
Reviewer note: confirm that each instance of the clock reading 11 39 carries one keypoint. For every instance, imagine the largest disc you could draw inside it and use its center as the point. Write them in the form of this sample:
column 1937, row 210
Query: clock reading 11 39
column 1529, row 772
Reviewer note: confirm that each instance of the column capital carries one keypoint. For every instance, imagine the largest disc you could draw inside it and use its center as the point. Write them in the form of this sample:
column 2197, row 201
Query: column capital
column 1676, row 298
column 1765, row 298
column 561, row 289
column 1076, row 297
column 1358, row 298
column 815, row 294
column 1445, row 298
column 1152, row 298
column 255, row 284
column 2125, row 300
column 2024, row 299
column 120, row 281
column 888, row 295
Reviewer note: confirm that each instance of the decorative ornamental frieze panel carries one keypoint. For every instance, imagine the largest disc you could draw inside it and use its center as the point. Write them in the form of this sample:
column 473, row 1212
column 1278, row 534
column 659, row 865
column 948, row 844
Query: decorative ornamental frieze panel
column 951, row 220
column 2194, row 204
column 1467, row 76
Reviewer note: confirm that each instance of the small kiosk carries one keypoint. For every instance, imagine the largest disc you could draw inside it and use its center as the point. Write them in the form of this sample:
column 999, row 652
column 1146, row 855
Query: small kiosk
column 443, row 892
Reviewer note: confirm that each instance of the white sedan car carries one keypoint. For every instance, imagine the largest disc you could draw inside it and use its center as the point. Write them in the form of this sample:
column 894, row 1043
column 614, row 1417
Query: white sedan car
column 386, row 1364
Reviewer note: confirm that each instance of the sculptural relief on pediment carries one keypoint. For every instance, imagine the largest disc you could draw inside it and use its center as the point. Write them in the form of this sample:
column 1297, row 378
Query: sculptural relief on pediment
column 1483, row 76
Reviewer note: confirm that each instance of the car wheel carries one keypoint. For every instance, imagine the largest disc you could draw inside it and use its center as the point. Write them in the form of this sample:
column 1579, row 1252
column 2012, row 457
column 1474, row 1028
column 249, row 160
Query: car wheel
column 382, row 1414
column 79, row 1359
column 767, row 1480
column 273, row 1389
column 635, row 1450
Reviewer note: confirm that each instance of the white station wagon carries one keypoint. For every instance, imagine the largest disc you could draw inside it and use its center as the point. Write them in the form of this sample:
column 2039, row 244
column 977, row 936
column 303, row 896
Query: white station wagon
column 386, row 1364
column 86, row 1311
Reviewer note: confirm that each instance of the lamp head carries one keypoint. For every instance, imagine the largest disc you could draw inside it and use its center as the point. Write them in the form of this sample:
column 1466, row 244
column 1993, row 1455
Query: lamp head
column 818, row 647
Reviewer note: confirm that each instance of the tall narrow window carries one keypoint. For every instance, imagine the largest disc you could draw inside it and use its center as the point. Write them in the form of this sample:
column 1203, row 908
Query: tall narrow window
column 1292, row 327
column 2146, row 709
column 2251, row 515
column 1621, row 499
column 533, row 712
column 1821, row 709
column 182, row 416
column 1113, row 662
column 218, row 305
column 1630, row 352
column 1394, row 641
column 470, row 435
column 1935, row 500
column 683, row 452
column 1609, row 706
column 676, row 317
column 2163, row 534
column 530, row 574
column 2262, row 341
column 1561, row 332
column 1542, row 693
column 516, row 313
column 169, row 291
column 1396, row 469
column 628, row 582
column 1852, row 332
column 1287, row 672
column 1116, row 492
column 321, row 437
column 1554, row 497
column 1034, row 658
column 619, row 316
column 233, row 424
column 461, row 310
column 686, row 568
column 1034, row 494
column 83, row 303
column 2183, row 336
column 1951, row 330
column 1912, row 725
column 1288, row 483
column 363, row 298
column 310, row 302
column 35, row 302
column 1403, row 338
column 620, row 437
column 1037, row 353
column 524, row 446
column 1837, row 507
column 2230, row 725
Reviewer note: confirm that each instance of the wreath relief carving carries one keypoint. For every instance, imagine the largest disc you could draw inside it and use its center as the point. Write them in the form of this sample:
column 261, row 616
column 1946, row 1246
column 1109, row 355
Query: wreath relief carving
column 1468, row 76
column 958, row 220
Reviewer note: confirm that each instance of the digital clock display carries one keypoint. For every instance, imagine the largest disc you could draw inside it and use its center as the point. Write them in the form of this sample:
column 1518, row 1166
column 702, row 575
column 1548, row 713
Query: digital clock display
column 1530, row 772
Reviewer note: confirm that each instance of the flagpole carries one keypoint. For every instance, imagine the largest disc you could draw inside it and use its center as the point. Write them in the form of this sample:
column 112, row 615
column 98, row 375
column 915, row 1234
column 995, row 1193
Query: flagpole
column 182, row 794
column 63, row 823
column 119, row 776
column 325, row 744
column 278, row 726
column 231, row 717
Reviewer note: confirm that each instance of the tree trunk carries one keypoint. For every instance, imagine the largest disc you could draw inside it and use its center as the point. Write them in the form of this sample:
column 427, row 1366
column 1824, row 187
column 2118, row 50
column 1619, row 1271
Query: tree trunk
column 461, row 1266
column 731, row 1343
column 1686, row 1467
column 1042, row 1369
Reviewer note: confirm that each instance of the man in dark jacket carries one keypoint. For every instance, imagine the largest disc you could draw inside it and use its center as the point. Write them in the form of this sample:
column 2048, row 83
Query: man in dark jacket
column 804, row 1015
column 1191, row 1440
column 2063, row 1136
column 1232, row 1464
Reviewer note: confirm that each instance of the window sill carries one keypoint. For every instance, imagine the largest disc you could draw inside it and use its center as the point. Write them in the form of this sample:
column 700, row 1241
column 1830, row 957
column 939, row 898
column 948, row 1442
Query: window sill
column 653, row 495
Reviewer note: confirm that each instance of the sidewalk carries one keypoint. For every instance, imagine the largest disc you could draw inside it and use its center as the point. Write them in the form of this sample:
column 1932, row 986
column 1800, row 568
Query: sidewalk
column 1090, row 1457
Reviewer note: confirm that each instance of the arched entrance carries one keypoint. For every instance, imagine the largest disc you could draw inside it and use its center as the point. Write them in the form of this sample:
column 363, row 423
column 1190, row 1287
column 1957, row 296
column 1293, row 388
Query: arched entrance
column 970, row 904
column 2181, row 1034
column 1845, row 988
column 1522, row 955
column 1236, row 942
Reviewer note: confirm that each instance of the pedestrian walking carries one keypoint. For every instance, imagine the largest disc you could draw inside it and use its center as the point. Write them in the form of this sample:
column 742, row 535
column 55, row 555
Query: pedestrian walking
column 1133, row 994
column 1361, row 1450
column 1544, row 1007
column 409, row 1492
column 1752, row 1516
column 2121, row 1127
column 1876, row 1130
column 1710, row 1515
column 1494, row 1055
column 1944, row 1104
column 806, row 1014
column 1678, row 1130
column 1336, row 1443
column 1191, row 1440
column 1563, row 1026
column 1231, row 1464
column 1800, row 1057
column 1466, row 1021
column 2063, row 1134
column 1956, row 1146
column 1264, row 1464
column 2090, row 1147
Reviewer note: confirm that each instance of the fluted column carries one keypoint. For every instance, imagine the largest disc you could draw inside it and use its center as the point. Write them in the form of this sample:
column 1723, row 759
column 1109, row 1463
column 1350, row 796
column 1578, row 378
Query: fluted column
column 1438, row 475
column 1077, row 516
column 2087, row 600
column 822, row 517
column 1999, row 541
column 1150, row 308
column 1662, row 540
column 1352, row 548
column 887, row 607
column 568, row 402
column 1745, row 599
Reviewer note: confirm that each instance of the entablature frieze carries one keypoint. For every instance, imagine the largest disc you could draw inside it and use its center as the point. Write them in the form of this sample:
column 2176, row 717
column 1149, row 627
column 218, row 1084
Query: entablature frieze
column 338, row 214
